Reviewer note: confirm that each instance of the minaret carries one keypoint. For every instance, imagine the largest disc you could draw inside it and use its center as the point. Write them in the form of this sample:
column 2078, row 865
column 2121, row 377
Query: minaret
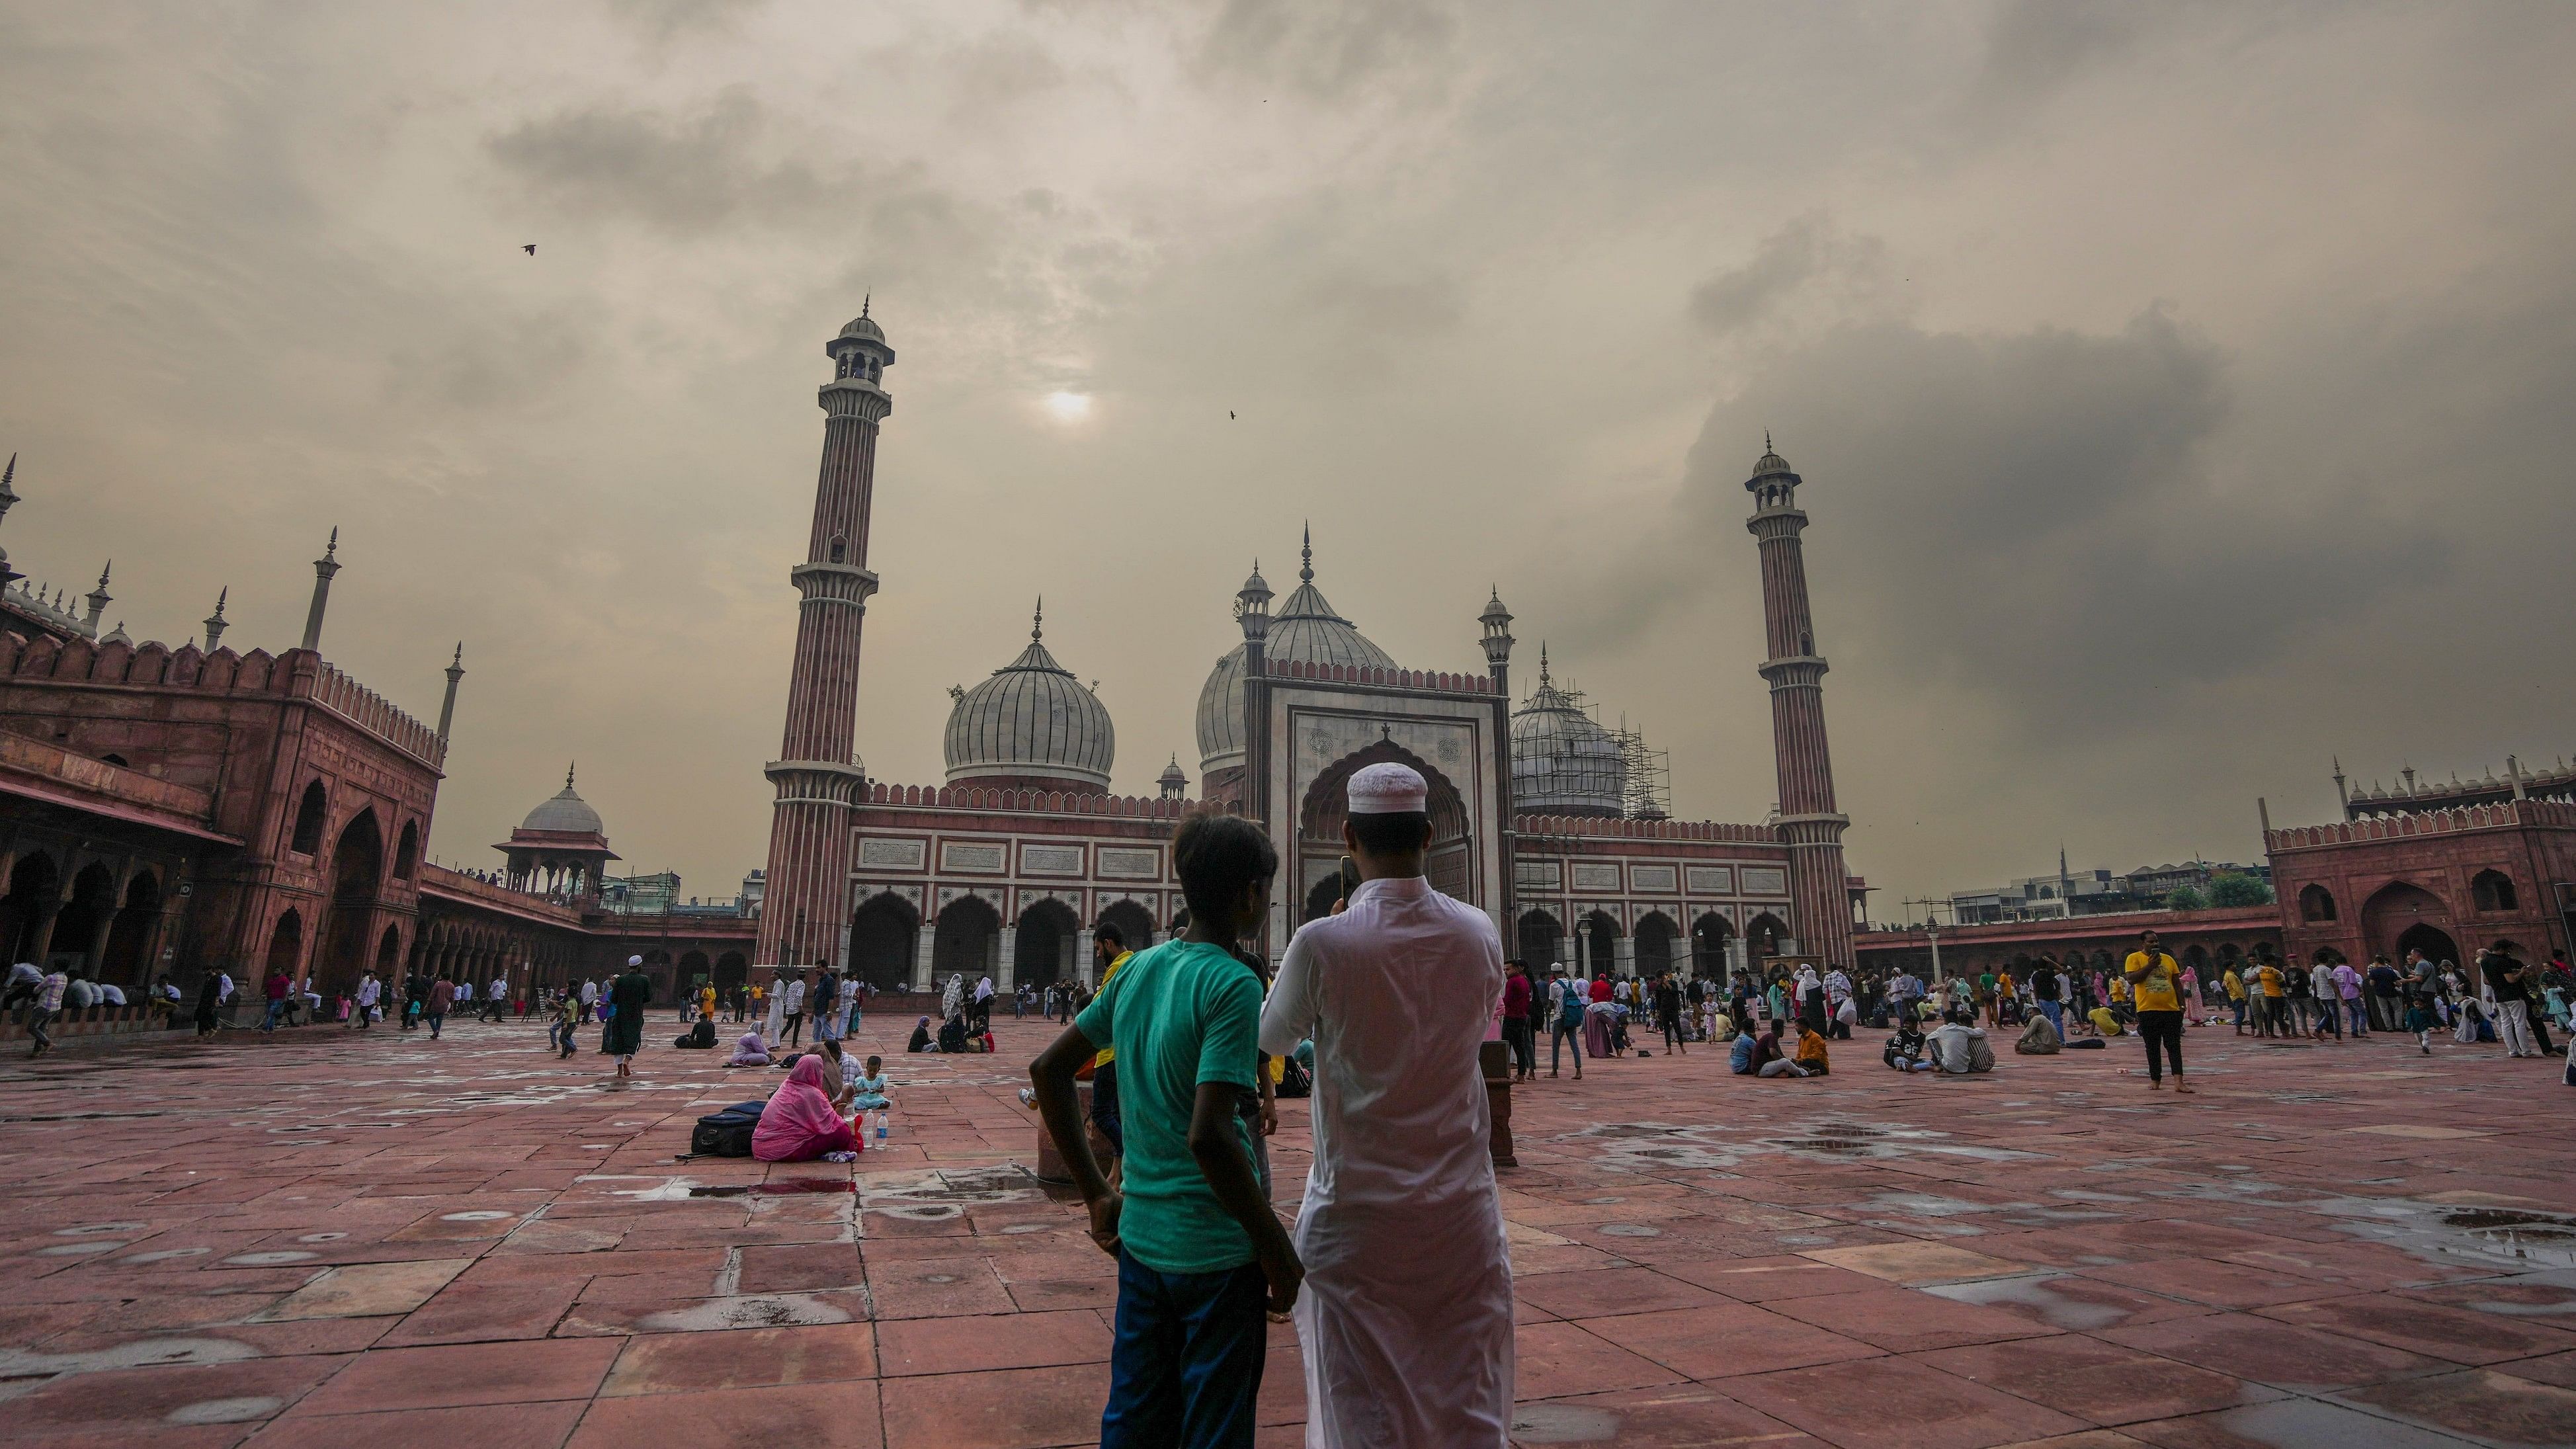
column 323, row 568
column 215, row 622
column 1808, row 822
column 1496, row 622
column 99, row 599
column 447, row 706
column 806, row 908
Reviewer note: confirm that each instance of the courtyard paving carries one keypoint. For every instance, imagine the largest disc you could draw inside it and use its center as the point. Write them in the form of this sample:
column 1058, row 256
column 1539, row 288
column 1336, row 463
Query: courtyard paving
column 340, row 1239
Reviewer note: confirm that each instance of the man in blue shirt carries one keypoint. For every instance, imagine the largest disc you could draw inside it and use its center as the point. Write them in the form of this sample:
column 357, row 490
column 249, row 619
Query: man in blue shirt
column 1200, row 1255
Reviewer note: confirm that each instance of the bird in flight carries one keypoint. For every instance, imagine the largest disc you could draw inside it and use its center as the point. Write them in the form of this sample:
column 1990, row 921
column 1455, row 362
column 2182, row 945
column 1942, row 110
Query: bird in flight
column 530, row 248
column 1229, row 415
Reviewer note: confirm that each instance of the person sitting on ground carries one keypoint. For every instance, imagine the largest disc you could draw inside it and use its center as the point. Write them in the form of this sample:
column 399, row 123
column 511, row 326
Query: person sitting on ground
column 748, row 1051
column 701, row 1036
column 799, row 1124
column 2038, row 1038
column 1768, row 1060
column 1904, row 1049
column 868, row 1092
column 1721, row 1027
column 1960, row 1048
column 1742, row 1058
column 952, row 1035
column 1812, row 1060
column 921, row 1041
column 2106, row 1022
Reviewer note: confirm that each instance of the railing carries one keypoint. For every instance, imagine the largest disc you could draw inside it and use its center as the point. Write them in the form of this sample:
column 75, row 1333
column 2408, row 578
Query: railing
column 1375, row 675
column 1038, row 802
column 1529, row 827
column 457, row 885
column 2425, row 822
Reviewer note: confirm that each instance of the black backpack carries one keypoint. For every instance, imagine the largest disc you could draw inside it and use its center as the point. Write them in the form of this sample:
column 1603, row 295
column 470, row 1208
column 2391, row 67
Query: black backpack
column 726, row 1133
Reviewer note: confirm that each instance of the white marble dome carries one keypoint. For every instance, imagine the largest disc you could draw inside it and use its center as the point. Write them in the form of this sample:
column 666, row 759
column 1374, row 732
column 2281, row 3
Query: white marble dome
column 565, row 812
column 1563, row 761
column 1031, row 721
column 1303, row 629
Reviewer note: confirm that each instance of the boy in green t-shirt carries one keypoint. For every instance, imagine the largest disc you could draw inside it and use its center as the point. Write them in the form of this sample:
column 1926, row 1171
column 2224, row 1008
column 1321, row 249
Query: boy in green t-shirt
column 1200, row 1255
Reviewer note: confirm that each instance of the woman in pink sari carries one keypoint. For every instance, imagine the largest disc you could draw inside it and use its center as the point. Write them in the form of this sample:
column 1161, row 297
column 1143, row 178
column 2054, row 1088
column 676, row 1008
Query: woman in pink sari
column 2191, row 996
column 799, row 1124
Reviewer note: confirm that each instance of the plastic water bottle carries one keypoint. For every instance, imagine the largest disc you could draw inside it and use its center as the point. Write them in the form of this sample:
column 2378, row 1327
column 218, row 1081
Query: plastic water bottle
column 877, row 1118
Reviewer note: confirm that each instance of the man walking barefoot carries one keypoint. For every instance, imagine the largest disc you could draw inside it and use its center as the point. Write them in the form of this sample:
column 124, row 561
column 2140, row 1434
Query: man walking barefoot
column 2156, row 982
column 1407, row 1317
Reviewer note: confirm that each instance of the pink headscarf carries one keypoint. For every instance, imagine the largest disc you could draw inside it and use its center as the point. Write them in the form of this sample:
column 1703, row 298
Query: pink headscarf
column 799, row 1123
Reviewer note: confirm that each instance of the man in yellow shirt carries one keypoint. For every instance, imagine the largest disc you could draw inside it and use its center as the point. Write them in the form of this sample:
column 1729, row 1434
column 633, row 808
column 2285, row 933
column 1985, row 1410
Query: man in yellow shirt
column 2235, row 985
column 1109, row 949
column 2155, row 985
column 2274, row 1014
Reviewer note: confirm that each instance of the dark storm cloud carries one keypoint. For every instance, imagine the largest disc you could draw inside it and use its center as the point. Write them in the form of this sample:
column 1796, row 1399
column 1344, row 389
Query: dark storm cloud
column 664, row 19
column 1790, row 260
column 2037, row 511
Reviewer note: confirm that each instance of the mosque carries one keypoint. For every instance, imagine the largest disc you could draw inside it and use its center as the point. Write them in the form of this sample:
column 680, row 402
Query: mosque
column 1009, row 864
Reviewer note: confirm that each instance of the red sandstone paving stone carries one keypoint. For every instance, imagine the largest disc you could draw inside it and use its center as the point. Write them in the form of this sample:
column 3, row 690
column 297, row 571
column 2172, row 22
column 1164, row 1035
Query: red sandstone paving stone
column 481, row 1312
column 2558, row 1369
column 936, row 1288
column 1901, row 1405
column 2219, row 1284
column 704, row 1315
column 2085, row 1247
column 2457, row 1335
column 1726, row 1340
column 1614, row 1291
column 1015, row 1409
column 1557, row 1359
column 2105, row 1384
column 139, row 1402
column 912, row 1346
column 2082, row 1439
column 368, row 1290
column 1914, row 1263
column 2297, row 1359
column 2291, row 1421
column 496, row 1426
column 633, row 1288
column 1665, row 1418
column 458, row 1375
column 801, row 1268
column 164, row 1436
column 747, row 1358
column 1761, row 1280
column 1058, row 1293
column 1902, row 1320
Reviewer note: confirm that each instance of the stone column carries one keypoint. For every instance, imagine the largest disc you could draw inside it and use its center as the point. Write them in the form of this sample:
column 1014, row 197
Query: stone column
column 1083, row 959
column 1007, row 962
column 1623, row 955
column 921, row 956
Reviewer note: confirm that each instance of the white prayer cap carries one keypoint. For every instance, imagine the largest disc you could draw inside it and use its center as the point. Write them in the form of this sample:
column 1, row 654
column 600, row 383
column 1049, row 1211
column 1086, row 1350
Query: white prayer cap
column 1389, row 789
column 634, row 960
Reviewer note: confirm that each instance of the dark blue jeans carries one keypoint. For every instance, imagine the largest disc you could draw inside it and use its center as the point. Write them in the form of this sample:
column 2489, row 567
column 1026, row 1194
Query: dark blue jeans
column 1186, row 1365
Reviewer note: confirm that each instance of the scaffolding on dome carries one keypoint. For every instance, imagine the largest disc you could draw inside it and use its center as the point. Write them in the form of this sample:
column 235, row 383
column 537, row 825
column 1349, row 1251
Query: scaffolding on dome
column 1646, row 791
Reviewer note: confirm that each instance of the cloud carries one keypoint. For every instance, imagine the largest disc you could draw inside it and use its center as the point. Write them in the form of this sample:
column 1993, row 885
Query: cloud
column 1807, row 252
column 664, row 19
column 1329, row 50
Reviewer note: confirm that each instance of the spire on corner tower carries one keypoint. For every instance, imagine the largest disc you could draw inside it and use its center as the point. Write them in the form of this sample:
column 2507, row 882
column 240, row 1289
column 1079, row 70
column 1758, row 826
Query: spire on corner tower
column 447, row 707
column 323, row 568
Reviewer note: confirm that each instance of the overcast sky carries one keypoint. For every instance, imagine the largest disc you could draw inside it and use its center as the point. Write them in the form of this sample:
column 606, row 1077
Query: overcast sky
column 2183, row 391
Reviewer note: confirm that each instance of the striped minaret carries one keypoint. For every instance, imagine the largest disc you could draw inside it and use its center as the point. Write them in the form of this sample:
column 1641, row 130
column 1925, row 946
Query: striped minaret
column 1820, row 903
column 806, row 902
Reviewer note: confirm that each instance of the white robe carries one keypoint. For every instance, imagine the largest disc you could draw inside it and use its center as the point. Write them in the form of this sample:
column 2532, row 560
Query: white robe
column 1406, row 1312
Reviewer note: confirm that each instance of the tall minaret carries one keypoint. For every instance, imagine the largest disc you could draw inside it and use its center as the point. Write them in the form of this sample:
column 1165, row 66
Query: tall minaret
column 1809, row 824
column 805, row 906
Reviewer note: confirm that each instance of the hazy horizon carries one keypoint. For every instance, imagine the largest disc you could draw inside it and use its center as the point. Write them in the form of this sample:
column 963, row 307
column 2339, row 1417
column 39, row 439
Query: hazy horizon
column 2180, row 391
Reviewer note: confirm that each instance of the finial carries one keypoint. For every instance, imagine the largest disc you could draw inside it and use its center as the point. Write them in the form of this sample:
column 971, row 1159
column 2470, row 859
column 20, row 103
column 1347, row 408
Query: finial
column 222, row 594
column 1306, row 553
column 104, row 572
column 460, row 654
column 864, row 299
column 567, row 776
column 1542, row 664
column 333, row 546
column 1037, row 621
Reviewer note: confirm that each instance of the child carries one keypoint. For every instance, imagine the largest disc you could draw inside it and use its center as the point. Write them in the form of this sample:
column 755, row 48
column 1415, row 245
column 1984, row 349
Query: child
column 870, row 1090
column 1811, row 1052
column 559, row 1034
column 1200, row 1254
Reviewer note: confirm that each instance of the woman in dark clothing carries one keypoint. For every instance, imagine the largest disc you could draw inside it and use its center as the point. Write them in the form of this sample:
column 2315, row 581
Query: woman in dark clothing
column 920, row 1037
column 206, row 1004
column 624, row 1035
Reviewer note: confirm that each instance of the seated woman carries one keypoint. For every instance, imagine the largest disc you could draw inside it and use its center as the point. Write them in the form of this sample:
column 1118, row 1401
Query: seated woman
column 920, row 1037
column 799, row 1124
column 868, row 1092
column 1811, row 1053
column 748, row 1051
column 2038, row 1038
column 952, row 1034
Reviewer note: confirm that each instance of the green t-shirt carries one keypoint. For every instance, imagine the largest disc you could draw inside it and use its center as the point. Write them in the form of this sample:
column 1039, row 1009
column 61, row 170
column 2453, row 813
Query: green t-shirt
column 1179, row 1014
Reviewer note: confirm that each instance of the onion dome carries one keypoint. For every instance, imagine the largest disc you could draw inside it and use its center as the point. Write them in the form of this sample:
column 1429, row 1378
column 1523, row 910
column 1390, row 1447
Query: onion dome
column 863, row 326
column 1033, row 725
column 1770, row 466
column 565, row 813
column 1563, row 761
column 1305, row 630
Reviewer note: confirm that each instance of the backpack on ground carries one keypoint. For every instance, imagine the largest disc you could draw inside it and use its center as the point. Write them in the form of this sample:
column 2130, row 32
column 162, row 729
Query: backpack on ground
column 726, row 1133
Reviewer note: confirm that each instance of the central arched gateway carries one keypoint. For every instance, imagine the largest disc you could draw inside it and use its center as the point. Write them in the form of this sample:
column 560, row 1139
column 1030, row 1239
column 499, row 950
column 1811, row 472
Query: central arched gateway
column 1451, row 864
column 2403, row 916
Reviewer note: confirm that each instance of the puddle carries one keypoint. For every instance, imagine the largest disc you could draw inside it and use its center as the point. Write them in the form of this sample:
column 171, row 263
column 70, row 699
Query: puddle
column 1631, row 1230
column 1563, row 1424
column 142, row 1353
column 2059, row 1310
column 85, row 1229
column 275, row 1259
column 225, row 1411
column 2311, row 1424
column 478, row 1215
column 790, row 1187
column 2507, row 1239
column 782, row 1310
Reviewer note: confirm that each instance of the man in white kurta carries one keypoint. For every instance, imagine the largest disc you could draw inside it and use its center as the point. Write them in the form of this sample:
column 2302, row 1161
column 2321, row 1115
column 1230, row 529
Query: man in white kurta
column 1406, row 1316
